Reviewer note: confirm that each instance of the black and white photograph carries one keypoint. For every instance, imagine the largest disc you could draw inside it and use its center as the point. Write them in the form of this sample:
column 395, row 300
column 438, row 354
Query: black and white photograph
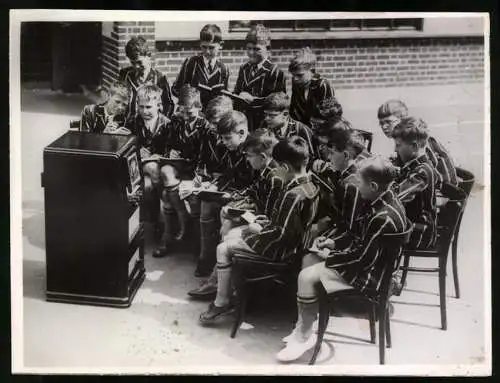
column 271, row 193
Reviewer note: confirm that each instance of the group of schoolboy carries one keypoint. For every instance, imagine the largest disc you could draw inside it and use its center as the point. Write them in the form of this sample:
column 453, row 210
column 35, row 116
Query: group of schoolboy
column 294, row 162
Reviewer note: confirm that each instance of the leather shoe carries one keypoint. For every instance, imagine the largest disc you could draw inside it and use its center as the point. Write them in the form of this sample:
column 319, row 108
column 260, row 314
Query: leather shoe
column 163, row 251
column 206, row 291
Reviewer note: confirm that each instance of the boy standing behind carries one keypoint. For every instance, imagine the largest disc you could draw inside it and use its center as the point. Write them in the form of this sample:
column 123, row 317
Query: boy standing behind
column 141, row 72
column 309, row 89
column 259, row 77
column 206, row 68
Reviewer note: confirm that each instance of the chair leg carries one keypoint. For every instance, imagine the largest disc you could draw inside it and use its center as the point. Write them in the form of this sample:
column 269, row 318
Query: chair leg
column 240, row 310
column 388, row 329
column 381, row 331
column 442, row 291
column 406, row 264
column 454, row 260
column 324, row 317
column 371, row 318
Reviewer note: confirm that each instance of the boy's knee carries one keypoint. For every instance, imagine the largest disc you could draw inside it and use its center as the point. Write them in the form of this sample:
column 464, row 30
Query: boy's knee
column 148, row 185
column 309, row 276
column 153, row 171
column 169, row 175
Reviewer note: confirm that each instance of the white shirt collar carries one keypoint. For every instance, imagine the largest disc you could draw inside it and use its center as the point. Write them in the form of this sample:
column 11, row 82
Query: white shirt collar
column 207, row 61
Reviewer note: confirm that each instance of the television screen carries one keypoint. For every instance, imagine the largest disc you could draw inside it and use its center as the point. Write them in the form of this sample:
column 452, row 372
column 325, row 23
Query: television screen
column 134, row 171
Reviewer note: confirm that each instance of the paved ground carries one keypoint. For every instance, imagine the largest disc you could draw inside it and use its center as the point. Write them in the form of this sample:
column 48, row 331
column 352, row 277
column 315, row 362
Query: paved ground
column 160, row 330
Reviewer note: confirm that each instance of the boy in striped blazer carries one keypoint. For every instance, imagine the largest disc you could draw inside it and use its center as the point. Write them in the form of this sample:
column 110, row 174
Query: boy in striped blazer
column 109, row 116
column 417, row 182
column 275, row 239
column 141, row 72
column 277, row 119
column 205, row 69
column 186, row 134
column 259, row 77
column 360, row 266
column 309, row 89
column 260, row 197
column 391, row 112
column 338, row 179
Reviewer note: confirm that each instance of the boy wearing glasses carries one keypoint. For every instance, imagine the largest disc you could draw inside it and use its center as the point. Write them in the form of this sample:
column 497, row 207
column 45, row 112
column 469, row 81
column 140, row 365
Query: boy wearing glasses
column 141, row 73
column 258, row 77
column 205, row 69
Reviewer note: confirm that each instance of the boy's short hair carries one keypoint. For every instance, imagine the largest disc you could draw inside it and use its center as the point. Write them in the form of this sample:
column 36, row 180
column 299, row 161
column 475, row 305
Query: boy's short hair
column 120, row 89
column 211, row 33
column 379, row 170
column 259, row 35
column 277, row 101
column 395, row 108
column 137, row 46
column 330, row 109
column 189, row 96
column 342, row 137
column 412, row 130
column 149, row 92
column 229, row 121
column 303, row 59
column 293, row 151
column 261, row 141
column 217, row 106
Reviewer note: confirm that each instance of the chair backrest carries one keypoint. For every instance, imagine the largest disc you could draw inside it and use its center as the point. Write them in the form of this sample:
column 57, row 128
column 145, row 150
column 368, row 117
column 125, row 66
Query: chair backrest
column 392, row 247
column 367, row 137
column 449, row 215
column 466, row 180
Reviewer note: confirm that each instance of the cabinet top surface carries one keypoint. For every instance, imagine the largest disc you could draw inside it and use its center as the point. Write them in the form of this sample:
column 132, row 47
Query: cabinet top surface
column 92, row 142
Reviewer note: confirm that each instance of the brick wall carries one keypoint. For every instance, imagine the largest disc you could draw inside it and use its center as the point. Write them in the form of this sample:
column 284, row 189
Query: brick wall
column 363, row 63
column 113, row 47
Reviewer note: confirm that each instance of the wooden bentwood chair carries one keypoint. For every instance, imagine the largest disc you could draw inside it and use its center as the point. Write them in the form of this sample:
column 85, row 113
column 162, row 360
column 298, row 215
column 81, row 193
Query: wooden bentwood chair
column 447, row 222
column 466, row 182
column 391, row 247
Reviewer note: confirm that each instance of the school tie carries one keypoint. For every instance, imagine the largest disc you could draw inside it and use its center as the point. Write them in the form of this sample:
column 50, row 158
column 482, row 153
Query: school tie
column 253, row 70
column 210, row 67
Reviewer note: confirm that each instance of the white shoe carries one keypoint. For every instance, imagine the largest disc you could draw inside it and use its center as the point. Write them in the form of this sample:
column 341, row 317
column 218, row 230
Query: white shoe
column 295, row 349
column 287, row 338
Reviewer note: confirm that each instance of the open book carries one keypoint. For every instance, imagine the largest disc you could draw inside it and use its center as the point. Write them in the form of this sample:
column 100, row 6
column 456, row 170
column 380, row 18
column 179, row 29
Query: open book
column 166, row 160
column 214, row 88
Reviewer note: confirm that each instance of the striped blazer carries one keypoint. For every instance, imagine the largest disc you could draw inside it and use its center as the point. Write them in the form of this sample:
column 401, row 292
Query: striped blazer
column 302, row 108
column 293, row 215
column 129, row 77
column 154, row 141
column 232, row 169
column 296, row 128
column 363, row 265
column 195, row 72
column 416, row 188
column 267, row 79
column 93, row 119
column 441, row 160
column 267, row 188
column 186, row 137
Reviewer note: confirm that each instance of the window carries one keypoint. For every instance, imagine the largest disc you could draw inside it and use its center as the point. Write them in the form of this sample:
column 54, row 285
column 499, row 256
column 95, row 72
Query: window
column 330, row 25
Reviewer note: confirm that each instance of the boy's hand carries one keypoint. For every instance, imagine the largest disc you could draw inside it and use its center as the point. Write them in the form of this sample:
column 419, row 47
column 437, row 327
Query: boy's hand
column 262, row 220
column 325, row 243
column 254, row 227
column 111, row 127
column 175, row 154
column 319, row 166
column 209, row 186
column 145, row 153
column 246, row 96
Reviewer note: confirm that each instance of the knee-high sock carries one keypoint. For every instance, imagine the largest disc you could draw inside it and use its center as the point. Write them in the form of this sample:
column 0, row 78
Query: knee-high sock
column 169, row 217
column 180, row 209
column 307, row 309
column 224, row 272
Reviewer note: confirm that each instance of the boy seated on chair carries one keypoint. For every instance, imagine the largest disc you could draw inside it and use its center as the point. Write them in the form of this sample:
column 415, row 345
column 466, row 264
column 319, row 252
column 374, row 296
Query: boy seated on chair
column 142, row 72
column 338, row 179
column 357, row 265
column 391, row 113
column 232, row 173
column 276, row 239
column 417, row 181
column 186, row 135
column 260, row 197
column 109, row 116
column 277, row 120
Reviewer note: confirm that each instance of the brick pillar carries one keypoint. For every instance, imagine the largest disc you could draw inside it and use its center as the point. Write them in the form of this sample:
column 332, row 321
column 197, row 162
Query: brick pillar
column 113, row 46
